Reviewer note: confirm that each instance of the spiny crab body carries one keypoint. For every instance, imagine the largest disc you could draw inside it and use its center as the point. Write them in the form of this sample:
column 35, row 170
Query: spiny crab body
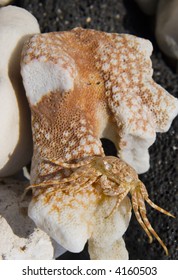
column 83, row 85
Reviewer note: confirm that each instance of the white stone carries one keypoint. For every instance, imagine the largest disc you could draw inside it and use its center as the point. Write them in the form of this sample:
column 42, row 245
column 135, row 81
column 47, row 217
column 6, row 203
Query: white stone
column 166, row 27
column 166, row 23
column 148, row 6
column 15, row 136
column 19, row 237
column 4, row 2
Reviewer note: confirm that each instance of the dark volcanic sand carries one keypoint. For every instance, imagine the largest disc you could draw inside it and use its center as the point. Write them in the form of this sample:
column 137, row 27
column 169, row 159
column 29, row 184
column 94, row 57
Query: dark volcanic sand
column 125, row 17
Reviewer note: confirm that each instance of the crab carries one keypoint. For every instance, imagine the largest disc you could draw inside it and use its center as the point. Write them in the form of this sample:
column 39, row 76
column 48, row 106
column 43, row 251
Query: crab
column 114, row 177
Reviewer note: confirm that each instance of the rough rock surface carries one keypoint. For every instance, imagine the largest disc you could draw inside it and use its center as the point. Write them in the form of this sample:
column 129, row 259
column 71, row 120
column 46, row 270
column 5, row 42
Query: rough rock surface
column 19, row 237
column 106, row 241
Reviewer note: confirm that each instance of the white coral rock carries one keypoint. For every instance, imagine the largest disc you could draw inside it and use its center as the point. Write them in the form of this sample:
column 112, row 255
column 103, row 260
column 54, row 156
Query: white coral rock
column 135, row 106
column 106, row 241
column 83, row 85
column 19, row 237
column 16, row 25
column 66, row 220
column 36, row 247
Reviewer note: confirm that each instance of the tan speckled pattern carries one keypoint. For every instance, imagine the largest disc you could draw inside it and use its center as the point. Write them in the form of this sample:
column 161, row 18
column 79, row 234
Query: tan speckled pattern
column 110, row 85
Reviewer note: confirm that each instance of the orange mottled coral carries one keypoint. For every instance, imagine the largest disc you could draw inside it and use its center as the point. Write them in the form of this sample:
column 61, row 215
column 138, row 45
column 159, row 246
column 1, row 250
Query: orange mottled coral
column 83, row 85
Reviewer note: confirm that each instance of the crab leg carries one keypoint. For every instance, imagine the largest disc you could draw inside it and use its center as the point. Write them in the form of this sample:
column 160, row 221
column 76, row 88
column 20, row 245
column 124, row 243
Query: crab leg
column 85, row 180
column 62, row 182
column 87, row 184
column 75, row 175
column 70, row 165
column 142, row 209
column 120, row 197
column 137, row 214
column 81, row 165
column 152, row 204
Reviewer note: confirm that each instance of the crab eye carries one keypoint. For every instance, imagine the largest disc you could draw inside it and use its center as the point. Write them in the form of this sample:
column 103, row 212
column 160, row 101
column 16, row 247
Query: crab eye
column 128, row 179
column 107, row 165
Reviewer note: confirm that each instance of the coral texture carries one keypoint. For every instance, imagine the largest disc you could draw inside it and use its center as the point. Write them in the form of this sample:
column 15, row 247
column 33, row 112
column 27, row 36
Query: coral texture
column 83, row 85
column 19, row 237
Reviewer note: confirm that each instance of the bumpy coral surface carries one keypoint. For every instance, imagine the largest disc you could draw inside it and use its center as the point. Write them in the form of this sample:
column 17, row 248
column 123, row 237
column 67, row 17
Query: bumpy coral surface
column 105, row 89
column 83, row 85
